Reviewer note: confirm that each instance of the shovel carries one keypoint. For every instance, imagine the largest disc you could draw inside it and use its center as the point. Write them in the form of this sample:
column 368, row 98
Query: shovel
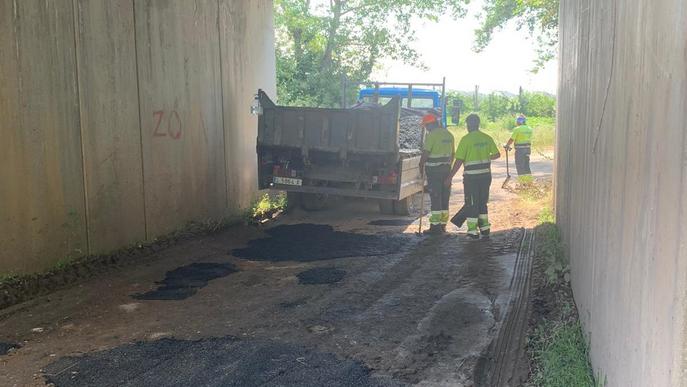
column 505, row 182
column 422, row 207
column 460, row 217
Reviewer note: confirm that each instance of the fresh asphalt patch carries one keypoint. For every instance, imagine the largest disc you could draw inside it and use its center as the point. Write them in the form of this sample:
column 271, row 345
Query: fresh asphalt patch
column 224, row 361
column 5, row 348
column 183, row 282
column 314, row 242
column 391, row 222
column 321, row 276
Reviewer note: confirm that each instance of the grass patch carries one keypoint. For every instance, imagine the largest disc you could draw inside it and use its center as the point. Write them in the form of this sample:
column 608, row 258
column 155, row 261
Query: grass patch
column 561, row 356
column 558, row 350
column 546, row 215
column 543, row 139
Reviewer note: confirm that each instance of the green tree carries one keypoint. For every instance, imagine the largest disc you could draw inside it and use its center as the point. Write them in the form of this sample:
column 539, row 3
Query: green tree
column 539, row 17
column 540, row 105
column 321, row 42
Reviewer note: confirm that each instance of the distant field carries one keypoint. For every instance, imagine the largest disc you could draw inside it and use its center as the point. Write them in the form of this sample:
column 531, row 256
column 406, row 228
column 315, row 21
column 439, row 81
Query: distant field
column 544, row 131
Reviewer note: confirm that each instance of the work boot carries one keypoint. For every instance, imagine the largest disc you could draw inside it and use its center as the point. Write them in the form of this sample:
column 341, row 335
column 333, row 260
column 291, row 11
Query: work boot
column 473, row 231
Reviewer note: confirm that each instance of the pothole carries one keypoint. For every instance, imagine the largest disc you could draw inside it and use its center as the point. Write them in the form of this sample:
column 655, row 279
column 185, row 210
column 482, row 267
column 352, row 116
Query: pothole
column 224, row 361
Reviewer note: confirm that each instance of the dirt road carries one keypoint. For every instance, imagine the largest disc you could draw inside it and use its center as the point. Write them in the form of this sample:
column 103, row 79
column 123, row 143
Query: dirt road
column 339, row 297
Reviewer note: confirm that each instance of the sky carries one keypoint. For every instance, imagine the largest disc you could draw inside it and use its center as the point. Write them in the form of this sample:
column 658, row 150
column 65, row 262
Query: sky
column 446, row 49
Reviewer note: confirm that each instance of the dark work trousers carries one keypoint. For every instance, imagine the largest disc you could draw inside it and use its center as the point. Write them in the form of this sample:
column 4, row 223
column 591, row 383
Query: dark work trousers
column 439, row 193
column 522, row 160
column 476, row 188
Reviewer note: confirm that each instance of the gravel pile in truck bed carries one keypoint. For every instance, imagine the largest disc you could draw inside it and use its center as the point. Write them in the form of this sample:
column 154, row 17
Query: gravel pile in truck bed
column 410, row 131
column 410, row 125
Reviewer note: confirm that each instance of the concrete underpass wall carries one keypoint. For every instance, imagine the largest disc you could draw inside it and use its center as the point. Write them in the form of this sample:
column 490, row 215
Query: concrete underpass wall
column 123, row 120
column 622, row 182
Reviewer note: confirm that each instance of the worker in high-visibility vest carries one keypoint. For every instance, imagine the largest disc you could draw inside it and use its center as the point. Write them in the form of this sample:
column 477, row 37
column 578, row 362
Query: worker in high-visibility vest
column 475, row 152
column 436, row 161
column 522, row 138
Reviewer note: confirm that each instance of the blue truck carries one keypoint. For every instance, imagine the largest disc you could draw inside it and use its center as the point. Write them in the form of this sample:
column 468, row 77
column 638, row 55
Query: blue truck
column 427, row 97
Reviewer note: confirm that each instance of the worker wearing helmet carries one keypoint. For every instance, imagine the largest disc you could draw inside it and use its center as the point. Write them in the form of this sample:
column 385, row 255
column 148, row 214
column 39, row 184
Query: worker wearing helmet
column 475, row 152
column 522, row 137
column 436, row 161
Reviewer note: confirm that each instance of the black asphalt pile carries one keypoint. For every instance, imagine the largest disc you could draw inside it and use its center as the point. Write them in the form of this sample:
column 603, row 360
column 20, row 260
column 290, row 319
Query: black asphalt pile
column 183, row 282
column 5, row 348
column 315, row 242
column 321, row 276
column 410, row 125
column 410, row 132
column 224, row 361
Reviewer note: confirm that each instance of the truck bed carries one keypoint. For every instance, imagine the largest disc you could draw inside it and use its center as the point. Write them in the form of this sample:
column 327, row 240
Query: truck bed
column 343, row 131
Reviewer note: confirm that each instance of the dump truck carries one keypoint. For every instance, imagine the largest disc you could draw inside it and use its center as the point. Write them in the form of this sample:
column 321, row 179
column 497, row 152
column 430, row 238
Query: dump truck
column 316, row 153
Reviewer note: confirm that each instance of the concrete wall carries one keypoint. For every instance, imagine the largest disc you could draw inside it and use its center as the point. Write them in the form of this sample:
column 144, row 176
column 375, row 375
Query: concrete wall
column 622, row 182
column 122, row 120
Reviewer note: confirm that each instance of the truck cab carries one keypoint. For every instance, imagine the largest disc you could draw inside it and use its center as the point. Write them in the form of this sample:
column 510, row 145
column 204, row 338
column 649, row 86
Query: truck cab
column 412, row 98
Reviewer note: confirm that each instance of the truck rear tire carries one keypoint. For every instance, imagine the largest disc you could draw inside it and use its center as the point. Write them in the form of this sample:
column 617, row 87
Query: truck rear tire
column 402, row 207
column 293, row 201
column 313, row 202
column 386, row 206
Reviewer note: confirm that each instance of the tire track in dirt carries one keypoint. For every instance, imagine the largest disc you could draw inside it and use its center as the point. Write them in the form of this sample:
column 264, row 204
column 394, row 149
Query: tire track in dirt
column 502, row 364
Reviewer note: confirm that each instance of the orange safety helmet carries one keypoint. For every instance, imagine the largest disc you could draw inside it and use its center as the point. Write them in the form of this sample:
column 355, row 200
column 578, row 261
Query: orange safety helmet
column 429, row 119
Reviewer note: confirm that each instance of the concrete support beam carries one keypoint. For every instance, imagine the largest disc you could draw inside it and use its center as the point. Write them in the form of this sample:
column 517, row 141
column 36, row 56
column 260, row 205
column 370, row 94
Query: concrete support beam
column 622, row 182
column 181, row 111
column 123, row 120
column 42, row 209
column 108, row 95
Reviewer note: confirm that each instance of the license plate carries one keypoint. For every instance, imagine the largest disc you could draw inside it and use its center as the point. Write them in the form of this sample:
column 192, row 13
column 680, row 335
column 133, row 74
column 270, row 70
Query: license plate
column 287, row 181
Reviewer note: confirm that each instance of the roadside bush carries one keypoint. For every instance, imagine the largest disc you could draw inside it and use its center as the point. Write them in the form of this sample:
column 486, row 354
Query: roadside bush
column 268, row 205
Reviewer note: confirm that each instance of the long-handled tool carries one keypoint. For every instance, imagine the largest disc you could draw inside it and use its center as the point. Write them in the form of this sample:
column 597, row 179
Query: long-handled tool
column 460, row 217
column 422, row 206
column 422, row 194
column 507, row 170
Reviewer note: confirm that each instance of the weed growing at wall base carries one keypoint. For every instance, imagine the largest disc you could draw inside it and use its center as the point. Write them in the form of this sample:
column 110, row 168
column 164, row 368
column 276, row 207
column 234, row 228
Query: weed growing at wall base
column 561, row 356
column 557, row 346
column 267, row 206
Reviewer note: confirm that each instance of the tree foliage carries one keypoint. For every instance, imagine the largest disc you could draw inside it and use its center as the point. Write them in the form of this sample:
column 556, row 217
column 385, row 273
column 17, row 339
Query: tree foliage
column 497, row 105
column 319, row 42
column 539, row 17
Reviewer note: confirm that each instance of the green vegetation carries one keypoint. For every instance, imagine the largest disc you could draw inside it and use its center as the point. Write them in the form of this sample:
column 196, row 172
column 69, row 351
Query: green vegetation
column 268, row 205
column 557, row 346
column 321, row 43
column 546, row 215
column 540, row 17
column 7, row 278
column 550, row 249
column 561, row 356
column 543, row 140
column 496, row 105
